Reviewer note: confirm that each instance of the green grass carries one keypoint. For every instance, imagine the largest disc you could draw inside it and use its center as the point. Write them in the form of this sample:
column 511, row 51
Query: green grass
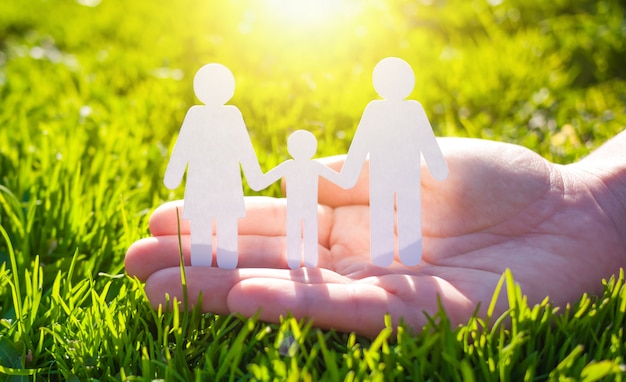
column 92, row 97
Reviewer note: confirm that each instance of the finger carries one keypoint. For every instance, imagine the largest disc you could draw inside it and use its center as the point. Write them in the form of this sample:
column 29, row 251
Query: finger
column 152, row 254
column 345, row 307
column 149, row 255
column 358, row 306
column 330, row 300
column 332, row 195
column 167, row 219
column 204, row 285
column 265, row 216
column 213, row 285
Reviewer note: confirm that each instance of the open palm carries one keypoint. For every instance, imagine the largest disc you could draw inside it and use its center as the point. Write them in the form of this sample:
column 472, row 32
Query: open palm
column 502, row 206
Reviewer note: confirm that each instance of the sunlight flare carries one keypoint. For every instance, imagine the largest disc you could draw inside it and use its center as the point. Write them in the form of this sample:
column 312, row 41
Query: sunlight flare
column 305, row 12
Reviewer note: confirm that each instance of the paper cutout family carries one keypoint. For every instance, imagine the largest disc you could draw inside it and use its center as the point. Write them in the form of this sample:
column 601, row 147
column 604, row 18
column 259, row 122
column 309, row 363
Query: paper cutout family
column 213, row 142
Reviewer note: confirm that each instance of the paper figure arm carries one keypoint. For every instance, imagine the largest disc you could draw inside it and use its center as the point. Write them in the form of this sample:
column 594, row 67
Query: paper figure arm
column 430, row 149
column 259, row 181
column 333, row 176
column 179, row 159
column 247, row 155
column 359, row 148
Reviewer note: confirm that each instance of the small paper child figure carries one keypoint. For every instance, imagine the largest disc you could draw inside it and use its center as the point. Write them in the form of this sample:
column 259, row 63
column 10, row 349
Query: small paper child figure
column 213, row 141
column 394, row 132
column 301, row 176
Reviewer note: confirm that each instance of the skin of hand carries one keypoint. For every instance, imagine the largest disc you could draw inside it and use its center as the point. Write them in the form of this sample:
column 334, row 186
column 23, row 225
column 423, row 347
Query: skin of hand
column 560, row 229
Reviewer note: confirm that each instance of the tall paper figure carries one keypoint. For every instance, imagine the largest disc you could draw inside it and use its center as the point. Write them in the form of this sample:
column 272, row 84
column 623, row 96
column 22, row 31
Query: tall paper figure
column 301, row 176
column 213, row 141
column 394, row 132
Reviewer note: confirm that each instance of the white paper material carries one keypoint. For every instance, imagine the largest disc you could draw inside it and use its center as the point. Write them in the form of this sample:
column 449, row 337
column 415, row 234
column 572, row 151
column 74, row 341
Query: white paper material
column 301, row 178
column 394, row 132
column 213, row 143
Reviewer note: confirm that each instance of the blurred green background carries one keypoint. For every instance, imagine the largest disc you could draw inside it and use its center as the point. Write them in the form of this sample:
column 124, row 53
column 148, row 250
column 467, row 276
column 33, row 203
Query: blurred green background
column 92, row 94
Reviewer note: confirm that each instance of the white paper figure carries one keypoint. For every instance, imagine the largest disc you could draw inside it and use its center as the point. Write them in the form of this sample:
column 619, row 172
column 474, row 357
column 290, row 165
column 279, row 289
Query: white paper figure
column 301, row 176
column 394, row 132
column 213, row 141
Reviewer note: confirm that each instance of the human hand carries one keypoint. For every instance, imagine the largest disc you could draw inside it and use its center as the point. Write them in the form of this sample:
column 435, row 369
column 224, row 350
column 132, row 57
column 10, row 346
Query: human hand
column 502, row 206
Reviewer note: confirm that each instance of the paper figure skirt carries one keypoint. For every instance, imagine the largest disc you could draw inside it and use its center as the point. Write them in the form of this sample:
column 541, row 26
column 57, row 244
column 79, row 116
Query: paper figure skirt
column 214, row 201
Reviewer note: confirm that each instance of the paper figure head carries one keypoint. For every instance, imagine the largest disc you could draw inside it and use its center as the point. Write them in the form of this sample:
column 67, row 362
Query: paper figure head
column 302, row 145
column 393, row 79
column 214, row 84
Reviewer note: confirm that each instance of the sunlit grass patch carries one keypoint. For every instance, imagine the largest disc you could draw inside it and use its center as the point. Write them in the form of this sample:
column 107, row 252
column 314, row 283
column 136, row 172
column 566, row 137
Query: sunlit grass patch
column 92, row 94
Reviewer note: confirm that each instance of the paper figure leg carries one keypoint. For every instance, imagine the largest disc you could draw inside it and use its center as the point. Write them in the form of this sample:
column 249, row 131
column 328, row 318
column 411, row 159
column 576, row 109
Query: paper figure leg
column 381, row 229
column 227, row 234
column 410, row 228
column 201, row 243
column 310, row 241
column 294, row 242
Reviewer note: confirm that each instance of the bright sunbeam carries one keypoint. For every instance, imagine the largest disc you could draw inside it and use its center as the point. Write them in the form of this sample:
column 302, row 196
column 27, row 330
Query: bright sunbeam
column 304, row 12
